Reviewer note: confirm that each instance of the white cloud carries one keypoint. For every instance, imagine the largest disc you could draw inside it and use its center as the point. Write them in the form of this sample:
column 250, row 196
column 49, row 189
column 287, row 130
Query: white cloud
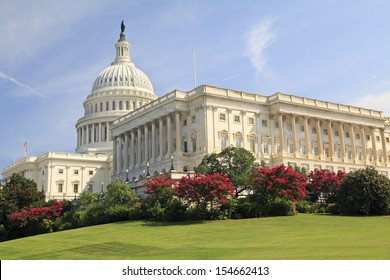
column 259, row 37
column 20, row 84
column 376, row 101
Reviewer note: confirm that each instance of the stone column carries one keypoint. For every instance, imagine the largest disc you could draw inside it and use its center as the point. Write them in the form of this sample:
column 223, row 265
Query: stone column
column 384, row 148
column 373, row 142
column 178, row 140
column 307, row 140
column 126, row 151
column 93, row 133
column 146, row 139
column 169, row 135
column 281, row 137
column 294, row 134
column 108, row 132
column 319, row 138
column 115, row 150
column 244, row 132
column 100, row 139
column 353, row 143
column 153, row 155
column 342, row 142
column 139, row 158
column 330, row 139
column 161, row 142
column 132, row 151
column 364, row 144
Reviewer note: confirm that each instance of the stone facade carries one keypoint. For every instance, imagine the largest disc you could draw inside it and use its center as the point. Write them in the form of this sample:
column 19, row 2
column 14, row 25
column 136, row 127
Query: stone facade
column 182, row 127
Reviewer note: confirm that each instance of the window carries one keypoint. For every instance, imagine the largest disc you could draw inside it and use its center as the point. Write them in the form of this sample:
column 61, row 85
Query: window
column 377, row 139
column 194, row 144
column 238, row 141
column 127, row 105
column 120, row 105
column 60, row 171
column 303, row 149
column 43, row 172
column 251, row 121
column 185, row 148
column 184, row 122
column 222, row 117
column 302, row 128
column 75, row 188
column 236, row 119
column 368, row 137
column 387, row 140
column 325, row 131
column 276, row 124
column 346, row 134
column 90, row 187
column 357, row 136
column 113, row 105
column 252, row 145
column 223, row 141
column 95, row 107
column 90, row 172
column 264, row 122
column 313, row 130
column 101, row 106
column 315, row 150
column 76, row 172
column 289, row 126
column 193, row 119
column 266, row 147
column 290, row 148
column 336, row 133
column 60, row 187
column 107, row 106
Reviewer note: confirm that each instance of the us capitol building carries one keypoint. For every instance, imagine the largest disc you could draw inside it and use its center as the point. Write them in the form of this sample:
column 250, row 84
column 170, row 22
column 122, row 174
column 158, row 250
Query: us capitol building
column 127, row 132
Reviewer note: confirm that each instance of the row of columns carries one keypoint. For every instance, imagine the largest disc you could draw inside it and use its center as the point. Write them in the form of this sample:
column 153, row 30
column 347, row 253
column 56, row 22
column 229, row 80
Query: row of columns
column 320, row 144
column 93, row 133
column 139, row 145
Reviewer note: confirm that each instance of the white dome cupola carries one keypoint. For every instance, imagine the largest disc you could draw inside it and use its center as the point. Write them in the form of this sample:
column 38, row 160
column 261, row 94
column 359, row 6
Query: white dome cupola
column 117, row 90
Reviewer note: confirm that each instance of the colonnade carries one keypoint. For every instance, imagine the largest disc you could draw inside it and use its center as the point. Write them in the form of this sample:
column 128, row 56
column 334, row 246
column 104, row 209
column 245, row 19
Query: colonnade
column 93, row 133
column 345, row 141
column 153, row 141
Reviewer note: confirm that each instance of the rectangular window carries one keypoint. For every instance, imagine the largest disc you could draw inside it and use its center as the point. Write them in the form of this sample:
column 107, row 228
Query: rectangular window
column 346, row 134
column 90, row 172
column 387, row 140
column 193, row 119
column 236, row 119
column 303, row 149
column 222, row 117
column 60, row 187
column 90, row 187
column 194, row 144
column 336, row 133
column 252, row 145
column 75, row 188
column 276, row 124
column 302, row 128
column 238, row 142
column 325, row 131
column 251, row 121
column 266, row 147
column 378, row 139
column 223, row 141
column 264, row 122
column 368, row 137
column 313, row 130
column 76, row 172
column 290, row 148
column 184, row 122
column 357, row 136
column 60, row 171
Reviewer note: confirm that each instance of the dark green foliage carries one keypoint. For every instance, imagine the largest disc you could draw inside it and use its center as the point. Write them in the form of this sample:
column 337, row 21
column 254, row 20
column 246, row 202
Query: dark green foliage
column 305, row 206
column 364, row 192
column 282, row 207
column 119, row 193
column 236, row 163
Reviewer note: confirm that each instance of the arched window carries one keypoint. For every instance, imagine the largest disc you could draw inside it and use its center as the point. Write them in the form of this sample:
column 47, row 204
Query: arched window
column 113, row 105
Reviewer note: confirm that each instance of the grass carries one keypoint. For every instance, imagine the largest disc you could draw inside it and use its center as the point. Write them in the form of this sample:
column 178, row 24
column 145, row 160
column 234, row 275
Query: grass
column 303, row 237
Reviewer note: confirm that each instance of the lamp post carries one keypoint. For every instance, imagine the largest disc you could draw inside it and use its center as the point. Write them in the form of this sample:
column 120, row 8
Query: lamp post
column 127, row 176
column 147, row 170
column 172, row 168
column 101, row 191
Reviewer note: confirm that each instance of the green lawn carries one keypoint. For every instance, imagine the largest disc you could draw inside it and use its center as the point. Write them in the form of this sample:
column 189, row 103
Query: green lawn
column 305, row 236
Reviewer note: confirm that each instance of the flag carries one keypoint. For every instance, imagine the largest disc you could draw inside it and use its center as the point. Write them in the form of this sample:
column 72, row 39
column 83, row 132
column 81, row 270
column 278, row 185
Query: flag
column 25, row 148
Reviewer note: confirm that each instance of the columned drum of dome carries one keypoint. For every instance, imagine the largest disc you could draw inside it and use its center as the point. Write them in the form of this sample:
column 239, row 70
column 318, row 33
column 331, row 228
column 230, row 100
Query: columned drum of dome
column 117, row 90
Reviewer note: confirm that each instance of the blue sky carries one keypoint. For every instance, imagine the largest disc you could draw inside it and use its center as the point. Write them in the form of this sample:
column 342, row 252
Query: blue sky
column 52, row 51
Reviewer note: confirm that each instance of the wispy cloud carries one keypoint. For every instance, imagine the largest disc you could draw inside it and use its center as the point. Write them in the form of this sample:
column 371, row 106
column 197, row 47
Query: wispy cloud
column 259, row 37
column 20, row 84
column 377, row 101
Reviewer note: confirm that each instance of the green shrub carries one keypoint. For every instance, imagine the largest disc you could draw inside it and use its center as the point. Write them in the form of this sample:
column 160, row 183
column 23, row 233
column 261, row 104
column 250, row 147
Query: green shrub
column 364, row 192
column 282, row 208
column 332, row 208
column 175, row 211
column 304, row 206
column 245, row 208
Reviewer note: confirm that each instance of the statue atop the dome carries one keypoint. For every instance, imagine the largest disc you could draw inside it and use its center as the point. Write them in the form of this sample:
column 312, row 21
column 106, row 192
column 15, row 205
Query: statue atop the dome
column 123, row 27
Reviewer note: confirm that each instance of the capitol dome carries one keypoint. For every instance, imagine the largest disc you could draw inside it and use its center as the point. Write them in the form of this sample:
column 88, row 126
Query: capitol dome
column 117, row 90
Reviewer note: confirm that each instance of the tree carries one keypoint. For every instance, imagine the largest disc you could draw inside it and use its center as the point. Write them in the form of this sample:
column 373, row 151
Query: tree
column 364, row 192
column 119, row 193
column 236, row 163
column 324, row 184
column 207, row 194
column 279, row 183
column 19, row 193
